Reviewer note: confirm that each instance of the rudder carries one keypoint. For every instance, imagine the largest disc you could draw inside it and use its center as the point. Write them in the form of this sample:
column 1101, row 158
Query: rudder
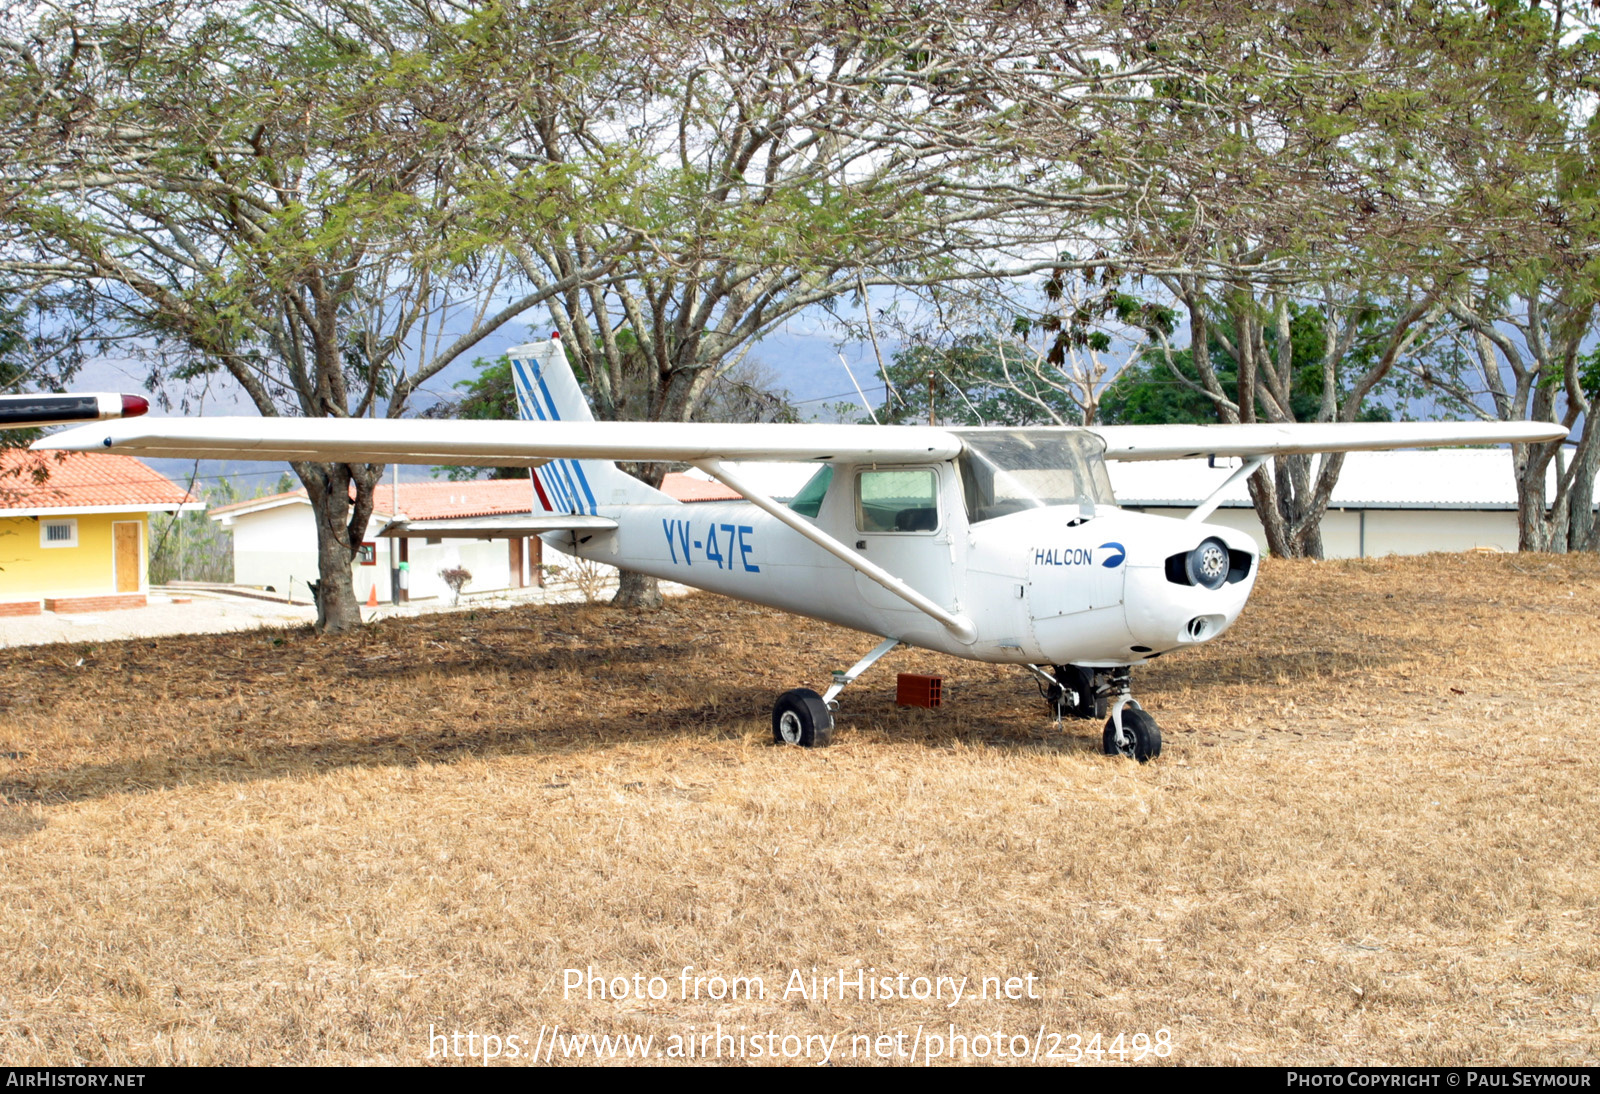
column 548, row 391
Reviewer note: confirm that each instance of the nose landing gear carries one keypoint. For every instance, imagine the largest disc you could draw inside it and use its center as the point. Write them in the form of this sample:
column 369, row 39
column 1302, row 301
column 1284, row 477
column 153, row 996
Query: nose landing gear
column 1130, row 731
column 1080, row 692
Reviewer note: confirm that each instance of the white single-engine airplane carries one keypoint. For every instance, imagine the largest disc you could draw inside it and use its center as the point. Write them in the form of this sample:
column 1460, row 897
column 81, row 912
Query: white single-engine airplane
column 996, row 544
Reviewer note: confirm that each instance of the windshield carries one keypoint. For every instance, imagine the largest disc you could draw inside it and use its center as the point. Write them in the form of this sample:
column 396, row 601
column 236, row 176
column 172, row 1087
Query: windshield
column 1005, row 471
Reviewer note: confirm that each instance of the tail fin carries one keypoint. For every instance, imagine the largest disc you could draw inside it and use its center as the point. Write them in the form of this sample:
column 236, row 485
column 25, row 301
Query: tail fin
column 547, row 391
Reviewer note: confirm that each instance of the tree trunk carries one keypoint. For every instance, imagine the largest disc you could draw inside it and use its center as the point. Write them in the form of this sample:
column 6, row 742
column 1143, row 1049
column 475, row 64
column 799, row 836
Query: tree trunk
column 338, row 610
column 328, row 488
column 1585, row 529
column 638, row 591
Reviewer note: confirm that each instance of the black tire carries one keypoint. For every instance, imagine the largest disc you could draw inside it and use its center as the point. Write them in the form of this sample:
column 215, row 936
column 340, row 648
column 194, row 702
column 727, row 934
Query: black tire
column 1145, row 736
column 1076, row 678
column 800, row 717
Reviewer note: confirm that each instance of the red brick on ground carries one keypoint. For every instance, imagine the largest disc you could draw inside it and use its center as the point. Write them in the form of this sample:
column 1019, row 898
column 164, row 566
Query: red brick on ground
column 63, row 605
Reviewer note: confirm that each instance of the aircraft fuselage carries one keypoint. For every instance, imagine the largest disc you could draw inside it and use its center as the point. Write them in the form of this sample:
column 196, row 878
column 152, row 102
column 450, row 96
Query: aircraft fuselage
column 1065, row 584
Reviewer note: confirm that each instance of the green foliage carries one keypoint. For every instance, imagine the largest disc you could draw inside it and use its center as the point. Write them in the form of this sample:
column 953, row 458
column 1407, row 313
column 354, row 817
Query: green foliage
column 975, row 382
column 192, row 546
column 1589, row 373
column 1147, row 392
column 489, row 395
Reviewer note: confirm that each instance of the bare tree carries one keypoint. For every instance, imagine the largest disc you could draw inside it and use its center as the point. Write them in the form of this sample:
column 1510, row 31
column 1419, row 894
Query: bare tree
column 1344, row 173
column 1515, row 356
column 1358, row 341
column 302, row 195
column 795, row 156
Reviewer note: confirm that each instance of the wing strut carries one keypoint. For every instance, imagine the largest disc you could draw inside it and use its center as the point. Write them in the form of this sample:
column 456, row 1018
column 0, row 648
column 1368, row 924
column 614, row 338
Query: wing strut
column 1214, row 499
column 958, row 625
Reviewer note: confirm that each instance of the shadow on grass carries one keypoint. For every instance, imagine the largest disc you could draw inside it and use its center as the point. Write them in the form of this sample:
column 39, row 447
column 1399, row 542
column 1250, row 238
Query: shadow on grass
column 738, row 713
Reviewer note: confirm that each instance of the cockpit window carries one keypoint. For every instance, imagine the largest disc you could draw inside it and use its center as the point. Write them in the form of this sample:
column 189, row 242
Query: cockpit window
column 1007, row 471
column 808, row 502
column 897, row 501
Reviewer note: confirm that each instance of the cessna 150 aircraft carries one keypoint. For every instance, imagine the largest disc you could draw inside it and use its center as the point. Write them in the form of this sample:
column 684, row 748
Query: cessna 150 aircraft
column 996, row 544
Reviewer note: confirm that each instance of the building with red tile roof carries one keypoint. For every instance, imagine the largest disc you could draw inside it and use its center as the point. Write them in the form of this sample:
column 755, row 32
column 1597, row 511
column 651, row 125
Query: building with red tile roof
column 75, row 530
column 274, row 538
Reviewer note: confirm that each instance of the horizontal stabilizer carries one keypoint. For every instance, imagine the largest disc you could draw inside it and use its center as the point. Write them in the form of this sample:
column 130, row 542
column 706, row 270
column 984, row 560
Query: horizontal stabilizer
column 508, row 527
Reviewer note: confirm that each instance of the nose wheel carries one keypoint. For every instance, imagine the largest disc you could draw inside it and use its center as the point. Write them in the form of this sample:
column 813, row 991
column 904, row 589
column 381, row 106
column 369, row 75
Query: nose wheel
column 1138, row 737
column 1129, row 731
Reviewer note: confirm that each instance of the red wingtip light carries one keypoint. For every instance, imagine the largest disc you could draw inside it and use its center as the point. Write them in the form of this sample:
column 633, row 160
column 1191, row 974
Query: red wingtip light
column 133, row 406
column 555, row 336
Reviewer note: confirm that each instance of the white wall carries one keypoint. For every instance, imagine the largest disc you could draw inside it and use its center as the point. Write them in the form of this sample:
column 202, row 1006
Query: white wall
column 489, row 561
column 277, row 548
column 1387, row 531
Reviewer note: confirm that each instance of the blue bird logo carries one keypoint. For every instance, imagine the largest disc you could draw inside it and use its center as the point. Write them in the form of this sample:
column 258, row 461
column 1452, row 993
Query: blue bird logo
column 1119, row 553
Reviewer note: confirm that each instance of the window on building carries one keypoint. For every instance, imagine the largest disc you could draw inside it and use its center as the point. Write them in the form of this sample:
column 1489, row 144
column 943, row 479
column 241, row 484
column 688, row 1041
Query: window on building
column 58, row 533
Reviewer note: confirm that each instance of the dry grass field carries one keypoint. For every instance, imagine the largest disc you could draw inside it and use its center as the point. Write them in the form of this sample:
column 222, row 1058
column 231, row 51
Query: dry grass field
column 1372, row 838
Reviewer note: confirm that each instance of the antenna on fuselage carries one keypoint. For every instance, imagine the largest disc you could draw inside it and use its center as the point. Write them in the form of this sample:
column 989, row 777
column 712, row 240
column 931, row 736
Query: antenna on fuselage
column 859, row 394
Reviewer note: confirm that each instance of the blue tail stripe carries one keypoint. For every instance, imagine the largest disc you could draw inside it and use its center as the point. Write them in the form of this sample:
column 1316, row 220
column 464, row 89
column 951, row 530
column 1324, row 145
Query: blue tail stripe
column 552, row 486
column 556, row 481
column 583, row 481
column 568, row 494
column 575, row 479
column 573, row 468
column 538, row 376
column 565, row 478
column 527, row 401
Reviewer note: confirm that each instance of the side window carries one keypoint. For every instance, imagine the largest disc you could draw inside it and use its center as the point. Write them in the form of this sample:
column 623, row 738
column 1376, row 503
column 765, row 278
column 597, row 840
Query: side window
column 808, row 502
column 897, row 501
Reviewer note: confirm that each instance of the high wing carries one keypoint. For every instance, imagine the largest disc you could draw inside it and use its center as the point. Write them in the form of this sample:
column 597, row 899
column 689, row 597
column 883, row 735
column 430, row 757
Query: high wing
column 531, row 444
column 1175, row 442
column 503, row 443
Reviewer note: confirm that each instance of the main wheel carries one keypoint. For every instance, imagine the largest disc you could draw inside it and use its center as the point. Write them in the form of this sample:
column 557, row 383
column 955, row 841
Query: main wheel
column 1080, row 680
column 800, row 717
column 1144, row 737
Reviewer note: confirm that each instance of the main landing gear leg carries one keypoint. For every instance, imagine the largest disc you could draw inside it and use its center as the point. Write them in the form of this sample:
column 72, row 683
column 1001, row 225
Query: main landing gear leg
column 802, row 717
column 1130, row 731
column 1072, row 691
